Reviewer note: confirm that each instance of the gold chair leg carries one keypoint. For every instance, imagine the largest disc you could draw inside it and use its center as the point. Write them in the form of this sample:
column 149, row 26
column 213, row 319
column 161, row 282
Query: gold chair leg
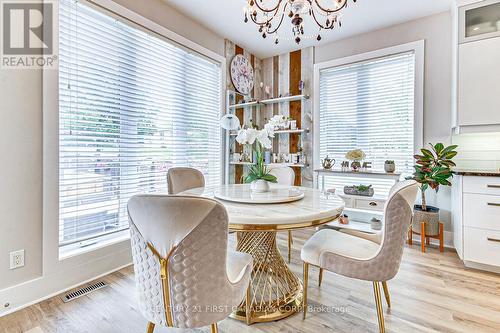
column 290, row 242
column 320, row 279
column 386, row 293
column 306, row 281
column 151, row 327
column 213, row 328
column 248, row 305
column 378, row 303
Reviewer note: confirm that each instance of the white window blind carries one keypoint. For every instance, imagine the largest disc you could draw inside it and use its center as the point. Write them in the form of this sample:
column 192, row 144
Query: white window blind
column 369, row 105
column 131, row 105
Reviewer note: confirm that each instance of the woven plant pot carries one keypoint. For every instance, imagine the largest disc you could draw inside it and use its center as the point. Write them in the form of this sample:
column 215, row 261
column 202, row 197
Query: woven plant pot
column 430, row 217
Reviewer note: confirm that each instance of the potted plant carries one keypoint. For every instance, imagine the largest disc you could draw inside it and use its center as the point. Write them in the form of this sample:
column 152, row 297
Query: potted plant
column 356, row 156
column 362, row 190
column 389, row 166
column 432, row 169
column 258, row 174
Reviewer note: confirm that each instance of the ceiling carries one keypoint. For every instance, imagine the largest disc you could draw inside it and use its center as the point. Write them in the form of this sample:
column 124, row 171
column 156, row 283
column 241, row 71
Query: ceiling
column 225, row 17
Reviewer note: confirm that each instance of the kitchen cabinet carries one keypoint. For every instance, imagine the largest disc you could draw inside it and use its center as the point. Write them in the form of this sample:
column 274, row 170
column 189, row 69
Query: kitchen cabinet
column 479, row 83
column 476, row 221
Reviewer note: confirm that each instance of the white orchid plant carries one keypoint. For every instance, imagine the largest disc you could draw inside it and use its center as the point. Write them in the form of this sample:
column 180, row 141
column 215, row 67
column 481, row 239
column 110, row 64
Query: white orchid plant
column 262, row 140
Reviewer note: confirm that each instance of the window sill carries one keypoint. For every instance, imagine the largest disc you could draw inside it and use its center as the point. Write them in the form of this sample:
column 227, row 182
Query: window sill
column 70, row 251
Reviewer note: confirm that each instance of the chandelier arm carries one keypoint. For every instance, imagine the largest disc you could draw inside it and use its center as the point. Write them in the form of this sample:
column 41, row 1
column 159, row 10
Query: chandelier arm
column 328, row 10
column 268, row 10
column 321, row 25
column 278, row 26
column 263, row 23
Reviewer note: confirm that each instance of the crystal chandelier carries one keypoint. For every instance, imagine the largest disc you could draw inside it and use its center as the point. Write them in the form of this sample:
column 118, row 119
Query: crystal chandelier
column 269, row 15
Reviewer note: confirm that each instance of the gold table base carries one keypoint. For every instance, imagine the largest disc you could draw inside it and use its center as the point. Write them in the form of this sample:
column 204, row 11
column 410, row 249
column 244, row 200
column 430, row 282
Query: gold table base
column 275, row 291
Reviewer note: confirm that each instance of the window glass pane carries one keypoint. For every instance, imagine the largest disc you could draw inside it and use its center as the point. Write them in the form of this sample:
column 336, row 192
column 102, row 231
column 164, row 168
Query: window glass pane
column 369, row 106
column 131, row 105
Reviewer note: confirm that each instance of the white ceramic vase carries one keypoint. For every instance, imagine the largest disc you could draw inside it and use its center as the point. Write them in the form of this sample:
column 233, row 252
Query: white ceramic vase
column 260, row 186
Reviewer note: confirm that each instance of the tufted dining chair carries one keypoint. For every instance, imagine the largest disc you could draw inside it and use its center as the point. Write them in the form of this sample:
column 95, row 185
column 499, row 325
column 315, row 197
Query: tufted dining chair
column 185, row 276
column 364, row 259
column 181, row 179
column 285, row 176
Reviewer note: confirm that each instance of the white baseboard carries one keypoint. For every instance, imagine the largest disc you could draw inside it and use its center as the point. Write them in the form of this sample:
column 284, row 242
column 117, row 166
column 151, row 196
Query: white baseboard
column 482, row 267
column 448, row 240
column 47, row 286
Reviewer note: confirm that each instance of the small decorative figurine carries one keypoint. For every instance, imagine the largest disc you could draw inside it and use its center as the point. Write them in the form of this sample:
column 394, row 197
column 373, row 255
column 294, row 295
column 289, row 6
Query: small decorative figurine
column 328, row 163
column 355, row 166
column 268, row 91
column 367, row 165
column 376, row 224
column 344, row 219
column 301, row 86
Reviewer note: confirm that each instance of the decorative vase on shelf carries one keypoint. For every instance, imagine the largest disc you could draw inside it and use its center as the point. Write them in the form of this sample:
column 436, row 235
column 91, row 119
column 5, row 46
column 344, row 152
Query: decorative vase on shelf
column 355, row 166
column 389, row 166
column 260, row 186
column 376, row 224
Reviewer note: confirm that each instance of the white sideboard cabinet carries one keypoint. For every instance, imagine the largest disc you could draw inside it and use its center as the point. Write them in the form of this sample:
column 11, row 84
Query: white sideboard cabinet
column 476, row 221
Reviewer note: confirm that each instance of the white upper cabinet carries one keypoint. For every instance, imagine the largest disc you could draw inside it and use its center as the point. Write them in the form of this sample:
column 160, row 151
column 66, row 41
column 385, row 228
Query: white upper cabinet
column 479, row 21
column 479, row 64
column 479, row 83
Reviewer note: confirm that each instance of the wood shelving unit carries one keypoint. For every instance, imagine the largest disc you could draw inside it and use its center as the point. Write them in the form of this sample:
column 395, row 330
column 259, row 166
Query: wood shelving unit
column 280, row 132
column 293, row 165
column 257, row 106
column 269, row 101
column 244, row 105
column 284, row 99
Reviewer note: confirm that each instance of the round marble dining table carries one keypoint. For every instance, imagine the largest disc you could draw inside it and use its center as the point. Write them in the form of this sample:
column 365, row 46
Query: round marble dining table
column 275, row 291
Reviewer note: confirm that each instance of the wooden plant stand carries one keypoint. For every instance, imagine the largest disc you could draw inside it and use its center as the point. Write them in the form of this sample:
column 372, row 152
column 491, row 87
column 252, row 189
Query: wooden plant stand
column 425, row 240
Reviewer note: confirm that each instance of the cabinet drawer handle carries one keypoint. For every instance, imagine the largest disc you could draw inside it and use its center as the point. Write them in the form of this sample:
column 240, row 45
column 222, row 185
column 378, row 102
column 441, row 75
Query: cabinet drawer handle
column 494, row 186
column 493, row 240
column 493, row 204
column 373, row 204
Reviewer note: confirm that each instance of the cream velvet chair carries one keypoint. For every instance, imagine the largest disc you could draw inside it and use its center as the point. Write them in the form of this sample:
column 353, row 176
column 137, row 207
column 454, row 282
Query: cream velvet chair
column 361, row 258
column 181, row 179
column 185, row 276
column 285, row 176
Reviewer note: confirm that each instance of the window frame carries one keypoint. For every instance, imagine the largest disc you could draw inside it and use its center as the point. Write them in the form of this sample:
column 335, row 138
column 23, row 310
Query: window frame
column 52, row 259
column 418, row 47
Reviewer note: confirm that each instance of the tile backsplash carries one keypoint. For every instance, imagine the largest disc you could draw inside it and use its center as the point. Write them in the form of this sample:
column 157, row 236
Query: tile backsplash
column 478, row 151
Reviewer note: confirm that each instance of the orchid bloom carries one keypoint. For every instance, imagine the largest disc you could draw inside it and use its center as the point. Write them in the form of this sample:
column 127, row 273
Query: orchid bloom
column 248, row 136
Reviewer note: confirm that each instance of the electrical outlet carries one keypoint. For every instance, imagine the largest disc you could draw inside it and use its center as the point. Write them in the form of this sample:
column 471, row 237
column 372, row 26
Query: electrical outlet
column 16, row 259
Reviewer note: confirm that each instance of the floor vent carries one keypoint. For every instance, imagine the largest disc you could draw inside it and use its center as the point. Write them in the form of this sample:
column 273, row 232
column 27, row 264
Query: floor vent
column 83, row 291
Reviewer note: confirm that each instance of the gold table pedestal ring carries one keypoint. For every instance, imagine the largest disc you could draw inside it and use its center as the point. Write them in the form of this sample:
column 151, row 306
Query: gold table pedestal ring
column 275, row 291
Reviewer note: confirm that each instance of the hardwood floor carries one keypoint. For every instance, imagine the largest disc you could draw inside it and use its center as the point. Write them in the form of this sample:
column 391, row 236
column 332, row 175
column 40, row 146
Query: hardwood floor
column 433, row 292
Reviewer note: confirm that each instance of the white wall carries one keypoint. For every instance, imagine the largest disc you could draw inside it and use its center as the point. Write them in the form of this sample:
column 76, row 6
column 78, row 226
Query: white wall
column 436, row 30
column 21, row 224
column 21, row 170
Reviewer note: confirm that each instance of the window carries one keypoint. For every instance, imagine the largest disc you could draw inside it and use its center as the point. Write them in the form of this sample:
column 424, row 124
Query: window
column 369, row 105
column 131, row 105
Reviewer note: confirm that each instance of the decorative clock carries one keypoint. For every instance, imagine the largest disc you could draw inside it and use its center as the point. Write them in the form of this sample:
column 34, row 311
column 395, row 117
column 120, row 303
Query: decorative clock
column 242, row 74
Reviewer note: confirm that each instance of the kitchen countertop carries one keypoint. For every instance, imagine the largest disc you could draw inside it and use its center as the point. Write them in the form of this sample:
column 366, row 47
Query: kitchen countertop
column 477, row 172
